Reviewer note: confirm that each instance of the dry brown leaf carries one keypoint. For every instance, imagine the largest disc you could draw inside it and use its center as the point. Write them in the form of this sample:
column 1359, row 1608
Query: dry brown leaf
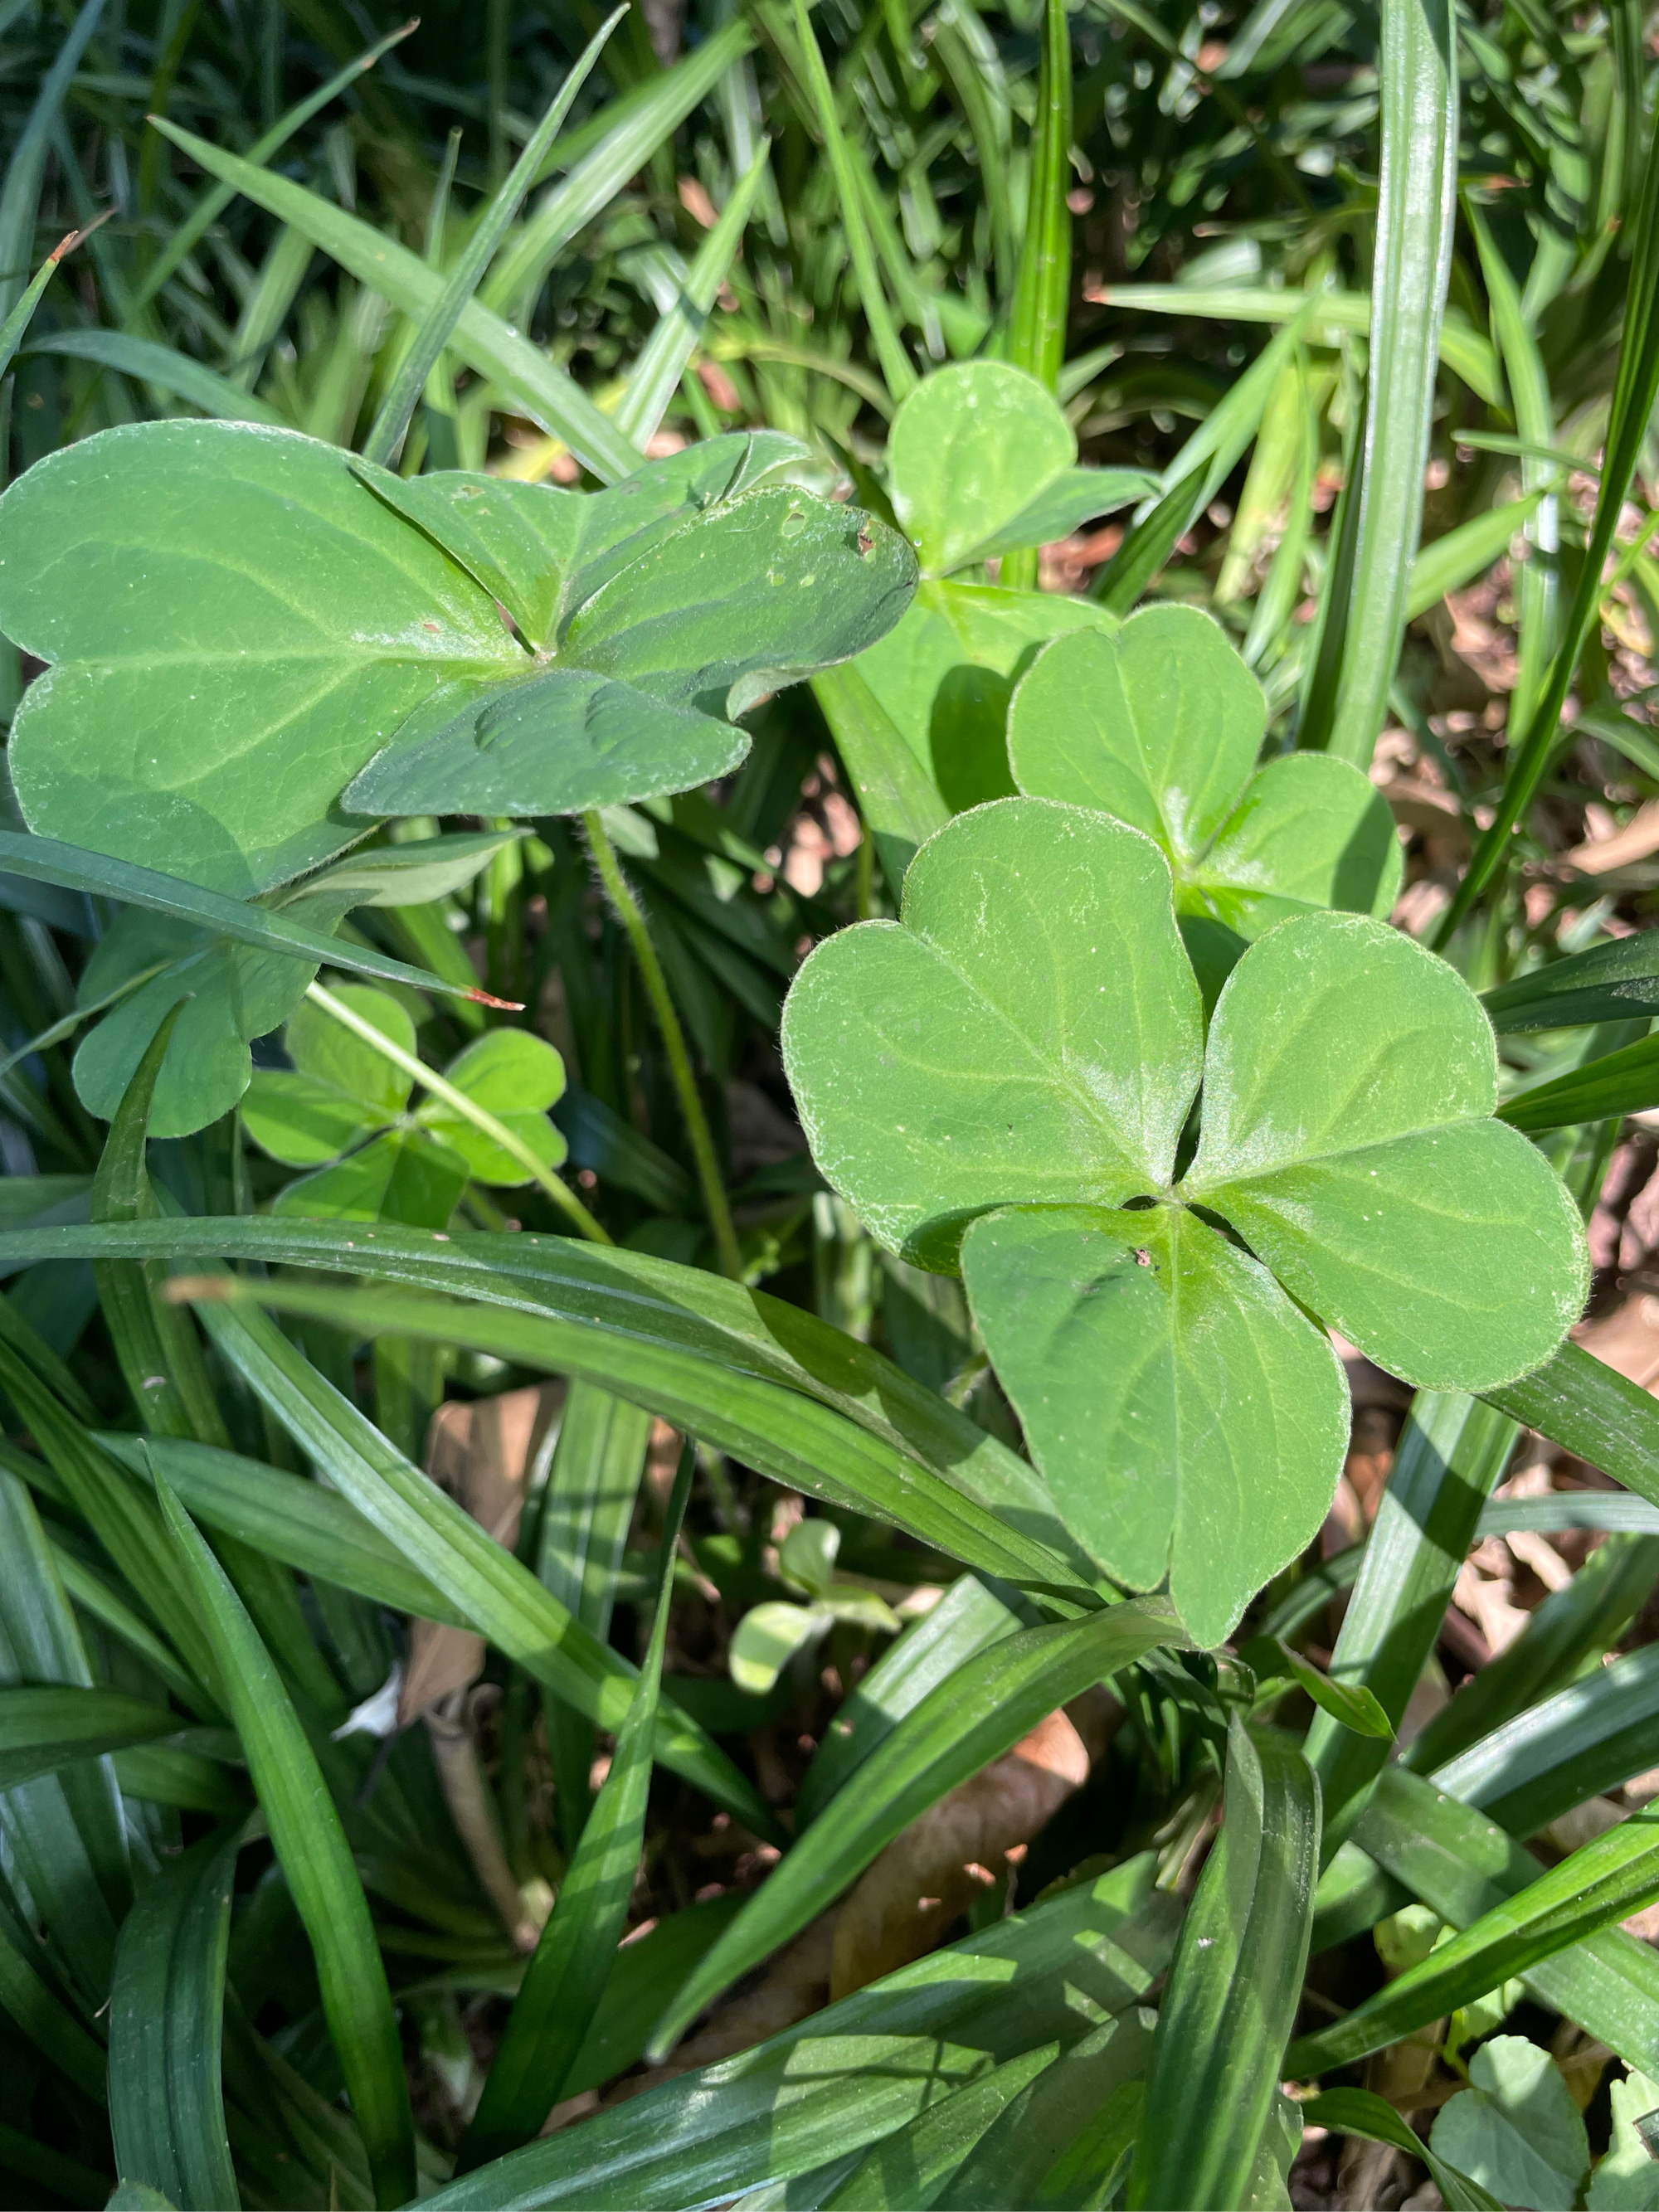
column 927, row 1876
column 481, row 1453
column 1626, row 1339
column 1637, row 841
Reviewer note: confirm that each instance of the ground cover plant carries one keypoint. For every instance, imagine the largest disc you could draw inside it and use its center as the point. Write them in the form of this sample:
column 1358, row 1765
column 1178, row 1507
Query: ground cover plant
column 829, row 1216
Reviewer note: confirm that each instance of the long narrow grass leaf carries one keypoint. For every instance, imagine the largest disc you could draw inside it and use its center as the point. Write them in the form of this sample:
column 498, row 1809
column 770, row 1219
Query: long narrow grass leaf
column 565, row 1979
column 166, row 2102
column 44, row 859
column 1234, row 1988
column 316, row 1860
column 971, row 1718
column 520, row 372
column 1636, row 388
column 438, row 322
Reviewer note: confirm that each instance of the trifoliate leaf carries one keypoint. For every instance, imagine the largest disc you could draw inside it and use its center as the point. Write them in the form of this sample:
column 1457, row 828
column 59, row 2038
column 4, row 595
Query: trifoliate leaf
column 983, row 460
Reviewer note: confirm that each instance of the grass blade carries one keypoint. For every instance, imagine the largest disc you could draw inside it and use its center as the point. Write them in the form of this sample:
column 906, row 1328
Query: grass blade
column 971, row 1718
column 896, row 367
column 19, row 196
column 1362, row 2112
column 1587, row 1738
column 433, row 334
column 809, row 2094
column 43, row 860
column 1609, row 983
column 44, row 2018
column 1037, row 326
column 1365, row 600
column 67, row 1831
column 1234, row 1988
column 1636, row 389
column 800, row 1445
column 43, row 1729
column 155, row 1346
column 521, row 373
column 965, row 1620
column 167, row 2104
column 119, row 1513
column 1618, row 1083
column 290, row 1518
column 1593, row 1411
column 588, row 1506
column 1553, row 1928
column 212, row 204
column 668, row 350
column 899, row 800
column 1450, row 1456
column 665, row 1335
column 565, row 1980
column 167, row 368
column 316, row 1860
column 501, row 1598
column 12, row 329
column 630, row 131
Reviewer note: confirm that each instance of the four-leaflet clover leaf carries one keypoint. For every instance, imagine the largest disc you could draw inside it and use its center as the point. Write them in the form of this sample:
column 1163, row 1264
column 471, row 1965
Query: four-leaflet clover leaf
column 342, row 1111
column 253, row 637
column 1160, row 725
column 999, row 1082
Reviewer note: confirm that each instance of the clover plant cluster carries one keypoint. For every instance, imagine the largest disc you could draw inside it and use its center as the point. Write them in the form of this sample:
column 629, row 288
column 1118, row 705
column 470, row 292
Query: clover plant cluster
column 1142, row 1059
column 258, row 646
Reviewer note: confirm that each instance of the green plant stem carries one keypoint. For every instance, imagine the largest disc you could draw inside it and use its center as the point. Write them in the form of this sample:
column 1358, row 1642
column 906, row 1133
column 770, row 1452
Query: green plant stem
column 469, row 1110
column 673, row 1037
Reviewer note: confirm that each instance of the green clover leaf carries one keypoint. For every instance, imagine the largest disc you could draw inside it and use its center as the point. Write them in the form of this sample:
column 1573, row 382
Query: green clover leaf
column 342, row 1111
column 253, row 637
column 999, row 1082
column 983, row 460
column 1160, row 725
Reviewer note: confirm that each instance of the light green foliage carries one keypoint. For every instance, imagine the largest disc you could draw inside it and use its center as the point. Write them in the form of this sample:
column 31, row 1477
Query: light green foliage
column 1189, row 1417
column 982, row 461
column 1160, row 725
column 1627, row 2179
column 286, row 624
column 1517, row 2131
column 1349, row 1080
column 770, row 1634
column 345, row 1105
column 1027, row 1036
column 229, row 995
column 945, row 674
